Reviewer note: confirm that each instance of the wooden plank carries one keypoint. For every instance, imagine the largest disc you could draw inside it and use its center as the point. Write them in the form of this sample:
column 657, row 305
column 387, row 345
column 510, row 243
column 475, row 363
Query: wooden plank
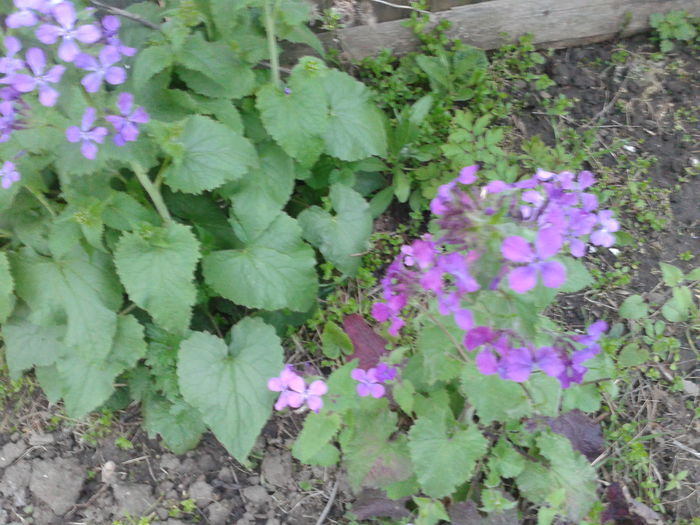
column 554, row 23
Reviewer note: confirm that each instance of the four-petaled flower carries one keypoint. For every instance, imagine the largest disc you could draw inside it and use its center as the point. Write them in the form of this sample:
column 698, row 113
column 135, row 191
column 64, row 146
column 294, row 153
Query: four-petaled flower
column 294, row 392
column 102, row 69
column 126, row 124
column 25, row 17
column 110, row 33
column 36, row 60
column 64, row 13
column 524, row 278
column 88, row 135
column 8, row 174
column 368, row 384
column 603, row 236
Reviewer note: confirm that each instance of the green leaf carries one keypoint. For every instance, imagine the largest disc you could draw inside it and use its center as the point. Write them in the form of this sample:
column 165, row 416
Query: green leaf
column 632, row 355
column 678, row 307
column 298, row 120
column 81, row 288
column 355, row 127
column 671, row 274
column 213, row 154
column 258, row 198
column 430, row 512
column 444, row 458
column 343, row 237
column 179, row 424
column 505, row 460
column 7, row 285
column 335, row 341
column 273, row 271
column 577, row 276
column 572, row 471
column 494, row 399
column 371, row 459
column 633, row 307
column 88, row 381
column 437, row 349
column 149, row 63
column 404, row 393
column 693, row 275
column 228, row 385
column 342, row 395
column 319, row 429
column 157, row 268
column 214, row 69
column 28, row 345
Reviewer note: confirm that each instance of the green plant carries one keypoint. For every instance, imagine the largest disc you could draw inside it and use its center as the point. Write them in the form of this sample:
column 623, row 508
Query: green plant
column 168, row 257
column 454, row 431
column 674, row 25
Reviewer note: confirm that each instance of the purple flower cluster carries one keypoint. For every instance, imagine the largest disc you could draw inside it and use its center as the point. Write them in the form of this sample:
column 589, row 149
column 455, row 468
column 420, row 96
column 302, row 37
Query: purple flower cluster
column 550, row 211
column 294, row 391
column 370, row 381
column 57, row 22
column 507, row 355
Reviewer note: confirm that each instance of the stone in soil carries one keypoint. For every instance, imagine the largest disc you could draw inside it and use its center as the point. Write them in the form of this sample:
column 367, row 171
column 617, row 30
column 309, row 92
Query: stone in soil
column 10, row 452
column 57, row 482
column 15, row 482
column 134, row 499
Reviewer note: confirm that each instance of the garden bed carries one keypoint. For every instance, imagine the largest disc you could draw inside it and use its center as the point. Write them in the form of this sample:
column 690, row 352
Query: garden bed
column 58, row 471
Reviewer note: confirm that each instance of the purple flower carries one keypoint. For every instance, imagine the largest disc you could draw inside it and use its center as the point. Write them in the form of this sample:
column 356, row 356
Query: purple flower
column 9, row 64
column 549, row 361
column 368, row 384
column 104, row 69
column 110, row 33
column 36, row 60
column 294, row 392
column 64, row 13
column 8, row 120
column 126, row 124
column 47, row 6
column 603, row 236
column 385, row 372
column 88, row 135
column 25, row 17
column 524, row 278
column 9, row 174
column 479, row 336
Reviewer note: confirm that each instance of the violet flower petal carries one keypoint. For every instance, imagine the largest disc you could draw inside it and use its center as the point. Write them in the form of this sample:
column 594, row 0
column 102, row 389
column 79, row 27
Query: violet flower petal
column 517, row 249
column 522, row 279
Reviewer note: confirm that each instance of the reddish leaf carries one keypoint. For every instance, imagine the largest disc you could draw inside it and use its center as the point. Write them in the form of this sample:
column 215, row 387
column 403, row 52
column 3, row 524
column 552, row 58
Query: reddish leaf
column 583, row 432
column 372, row 503
column 369, row 346
column 466, row 513
column 618, row 509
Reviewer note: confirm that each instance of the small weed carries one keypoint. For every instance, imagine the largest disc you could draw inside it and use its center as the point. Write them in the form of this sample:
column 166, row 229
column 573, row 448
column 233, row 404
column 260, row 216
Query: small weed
column 675, row 25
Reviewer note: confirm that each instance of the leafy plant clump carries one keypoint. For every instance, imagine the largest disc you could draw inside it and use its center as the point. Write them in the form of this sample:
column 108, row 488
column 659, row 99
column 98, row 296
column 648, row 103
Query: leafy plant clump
column 163, row 183
column 478, row 396
column 674, row 25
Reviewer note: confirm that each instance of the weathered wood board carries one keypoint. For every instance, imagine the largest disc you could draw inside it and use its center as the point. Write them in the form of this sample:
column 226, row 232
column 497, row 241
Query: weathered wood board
column 554, row 23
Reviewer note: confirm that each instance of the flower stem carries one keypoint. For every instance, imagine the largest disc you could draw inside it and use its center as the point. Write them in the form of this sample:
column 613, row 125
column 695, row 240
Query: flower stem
column 153, row 192
column 444, row 329
column 269, row 13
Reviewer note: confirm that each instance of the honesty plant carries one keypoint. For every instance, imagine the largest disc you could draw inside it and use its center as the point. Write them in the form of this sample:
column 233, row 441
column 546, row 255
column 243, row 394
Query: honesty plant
column 480, row 370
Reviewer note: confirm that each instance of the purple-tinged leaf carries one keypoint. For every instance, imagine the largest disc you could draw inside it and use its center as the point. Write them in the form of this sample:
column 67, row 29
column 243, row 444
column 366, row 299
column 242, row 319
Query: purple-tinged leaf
column 372, row 503
column 369, row 346
column 583, row 432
